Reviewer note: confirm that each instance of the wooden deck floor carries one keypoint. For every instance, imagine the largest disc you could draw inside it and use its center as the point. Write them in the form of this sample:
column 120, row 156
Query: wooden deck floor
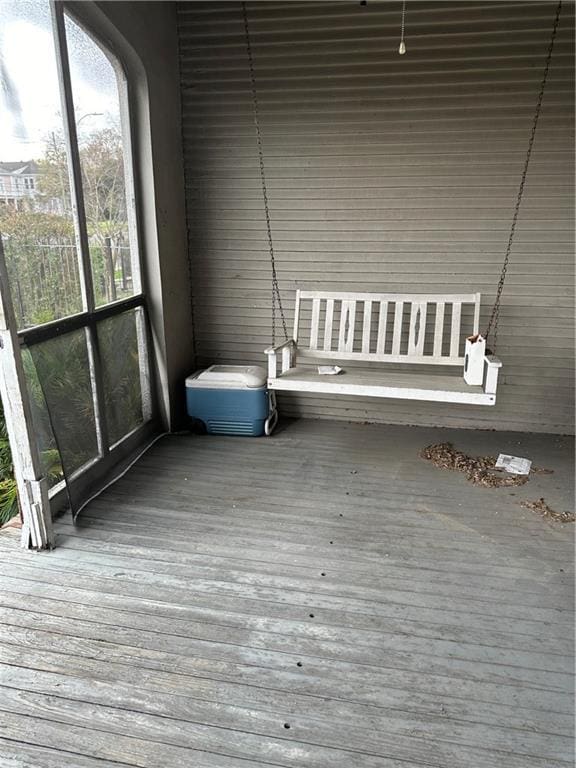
column 321, row 599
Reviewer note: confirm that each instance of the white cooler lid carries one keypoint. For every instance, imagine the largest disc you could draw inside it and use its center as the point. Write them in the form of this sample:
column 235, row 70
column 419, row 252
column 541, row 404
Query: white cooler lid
column 228, row 377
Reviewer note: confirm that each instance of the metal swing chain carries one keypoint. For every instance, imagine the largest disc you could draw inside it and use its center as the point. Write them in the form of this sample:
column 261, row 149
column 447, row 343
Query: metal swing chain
column 495, row 316
column 276, row 298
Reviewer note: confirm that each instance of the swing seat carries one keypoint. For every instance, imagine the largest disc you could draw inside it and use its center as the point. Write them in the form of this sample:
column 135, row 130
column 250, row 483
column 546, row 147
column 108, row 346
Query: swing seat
column 372, row 329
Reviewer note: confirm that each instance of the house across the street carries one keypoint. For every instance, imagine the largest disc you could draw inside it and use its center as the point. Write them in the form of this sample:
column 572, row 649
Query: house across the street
column 18, row 182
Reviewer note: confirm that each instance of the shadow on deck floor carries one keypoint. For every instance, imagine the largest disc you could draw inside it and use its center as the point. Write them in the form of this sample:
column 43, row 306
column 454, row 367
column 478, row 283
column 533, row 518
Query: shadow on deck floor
column 320, row 599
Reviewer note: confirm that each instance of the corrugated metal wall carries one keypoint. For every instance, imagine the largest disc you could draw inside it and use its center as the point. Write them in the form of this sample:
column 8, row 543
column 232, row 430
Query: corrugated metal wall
column 386, row 173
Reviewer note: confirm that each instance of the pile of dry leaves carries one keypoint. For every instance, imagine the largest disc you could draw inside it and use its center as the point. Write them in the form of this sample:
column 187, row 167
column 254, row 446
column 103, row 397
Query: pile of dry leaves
column 479, row 470
column 542, row 508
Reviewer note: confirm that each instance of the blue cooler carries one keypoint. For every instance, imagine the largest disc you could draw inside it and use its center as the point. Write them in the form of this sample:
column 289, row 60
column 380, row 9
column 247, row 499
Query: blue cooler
column 231, row 400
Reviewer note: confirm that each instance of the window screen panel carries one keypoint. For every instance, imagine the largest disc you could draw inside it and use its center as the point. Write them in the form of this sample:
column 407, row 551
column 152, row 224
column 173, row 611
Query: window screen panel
column 36, row 221
column 123, row 369
column 103, row 148
column 63, row 371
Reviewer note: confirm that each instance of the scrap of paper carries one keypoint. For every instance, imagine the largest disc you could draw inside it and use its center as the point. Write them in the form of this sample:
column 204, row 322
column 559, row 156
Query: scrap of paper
column 513, row 464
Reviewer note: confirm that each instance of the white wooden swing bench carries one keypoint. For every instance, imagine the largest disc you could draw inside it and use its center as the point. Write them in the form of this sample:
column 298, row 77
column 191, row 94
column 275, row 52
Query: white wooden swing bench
column 375, row 333
column 383, row 328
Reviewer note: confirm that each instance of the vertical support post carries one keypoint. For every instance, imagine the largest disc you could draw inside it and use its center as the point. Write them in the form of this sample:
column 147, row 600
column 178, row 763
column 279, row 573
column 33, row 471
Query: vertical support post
column 296, row 316
column 493, row 366
column 315, row 324
column 143, row 325
column 144, row 368
column 455, row 329
column 79, row 216
column 439, row 329
column 417, row 333
column 476, row 328
column 37, row 531
column 347, row 320
column 328, row 325
column 287, row 358
column 397, row 336
column 272, row 365
column 382, row 322
column 366, row 327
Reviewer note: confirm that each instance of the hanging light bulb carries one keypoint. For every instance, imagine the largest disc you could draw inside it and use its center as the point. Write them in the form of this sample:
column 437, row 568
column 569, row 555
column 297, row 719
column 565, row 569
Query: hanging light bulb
column 402, row 48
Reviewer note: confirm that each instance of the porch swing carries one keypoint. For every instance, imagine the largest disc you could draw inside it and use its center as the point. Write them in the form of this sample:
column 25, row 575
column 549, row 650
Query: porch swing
column 341, row 324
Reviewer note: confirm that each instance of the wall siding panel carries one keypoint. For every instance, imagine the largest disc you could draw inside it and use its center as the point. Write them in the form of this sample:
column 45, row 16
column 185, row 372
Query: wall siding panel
column 386, row 173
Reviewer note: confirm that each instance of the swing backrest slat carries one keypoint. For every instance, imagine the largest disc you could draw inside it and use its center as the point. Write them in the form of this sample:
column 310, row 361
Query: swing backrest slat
column 385, row 327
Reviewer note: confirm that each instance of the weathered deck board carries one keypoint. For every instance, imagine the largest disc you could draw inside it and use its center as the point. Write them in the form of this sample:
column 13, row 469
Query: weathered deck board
column 391, row 613
column 17, row 754
column 391, row 638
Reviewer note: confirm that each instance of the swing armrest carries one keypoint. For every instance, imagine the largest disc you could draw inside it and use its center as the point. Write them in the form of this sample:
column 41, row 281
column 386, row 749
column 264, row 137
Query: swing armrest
column 278, row 347
column 288, row 349
column 493, row 365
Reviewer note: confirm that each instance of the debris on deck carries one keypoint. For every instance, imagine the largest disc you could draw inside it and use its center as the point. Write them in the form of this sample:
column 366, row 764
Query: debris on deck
column 541, row 470
column 542, row 508
column 514, row 465
column 480, row 470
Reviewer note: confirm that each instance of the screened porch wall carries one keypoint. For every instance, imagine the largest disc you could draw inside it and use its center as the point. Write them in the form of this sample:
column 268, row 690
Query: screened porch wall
column 386, row 173
column 145, row 36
